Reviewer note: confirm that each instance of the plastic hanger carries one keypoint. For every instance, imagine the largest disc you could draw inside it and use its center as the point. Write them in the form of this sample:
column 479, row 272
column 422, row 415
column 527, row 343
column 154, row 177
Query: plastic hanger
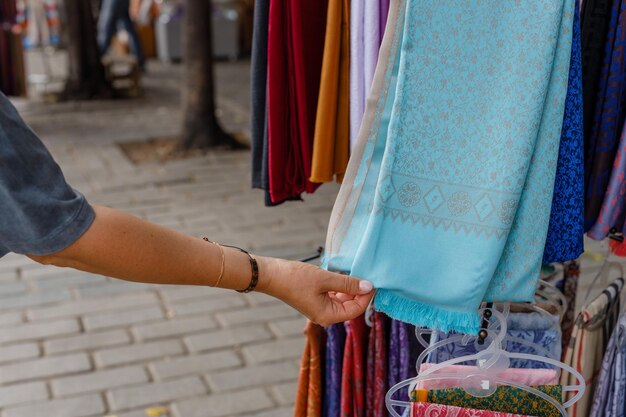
column 604, row 275
column 484, row 379
column 420, row 332
column 431, row 347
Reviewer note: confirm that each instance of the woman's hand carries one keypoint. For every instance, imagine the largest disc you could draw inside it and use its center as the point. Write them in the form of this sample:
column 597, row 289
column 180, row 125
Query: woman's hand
column 324, row 297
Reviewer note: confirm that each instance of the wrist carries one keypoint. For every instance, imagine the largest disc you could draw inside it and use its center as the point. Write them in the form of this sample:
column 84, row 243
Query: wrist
column 268, row 273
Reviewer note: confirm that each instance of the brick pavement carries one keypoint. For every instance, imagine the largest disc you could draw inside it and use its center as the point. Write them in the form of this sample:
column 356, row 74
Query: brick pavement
column 74, row 344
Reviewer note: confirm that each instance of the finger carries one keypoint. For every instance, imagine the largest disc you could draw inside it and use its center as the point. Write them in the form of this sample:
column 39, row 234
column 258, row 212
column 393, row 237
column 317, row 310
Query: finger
column 348, row 310
column 347, row 284
column 343, row 297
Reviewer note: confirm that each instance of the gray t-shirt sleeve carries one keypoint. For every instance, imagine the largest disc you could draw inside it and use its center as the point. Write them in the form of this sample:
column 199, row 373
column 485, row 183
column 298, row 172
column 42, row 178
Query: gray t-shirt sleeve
column 40, row 213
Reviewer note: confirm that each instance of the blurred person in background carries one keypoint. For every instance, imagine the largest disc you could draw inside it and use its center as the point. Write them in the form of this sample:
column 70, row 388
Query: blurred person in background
column 114, row 15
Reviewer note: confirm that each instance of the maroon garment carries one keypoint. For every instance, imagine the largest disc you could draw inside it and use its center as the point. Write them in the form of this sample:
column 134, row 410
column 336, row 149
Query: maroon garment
column 354, row 362
column 376, row 387
column 295, row 48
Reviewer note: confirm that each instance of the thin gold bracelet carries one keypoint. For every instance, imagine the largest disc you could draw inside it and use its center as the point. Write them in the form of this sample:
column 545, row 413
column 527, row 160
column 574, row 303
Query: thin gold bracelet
column 219, row 279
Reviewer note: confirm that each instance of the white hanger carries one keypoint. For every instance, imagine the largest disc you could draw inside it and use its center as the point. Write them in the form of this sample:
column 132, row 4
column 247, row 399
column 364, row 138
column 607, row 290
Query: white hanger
column 491, row 362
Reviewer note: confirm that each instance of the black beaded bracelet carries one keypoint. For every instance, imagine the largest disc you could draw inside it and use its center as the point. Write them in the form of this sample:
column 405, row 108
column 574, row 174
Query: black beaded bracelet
column 254, row 280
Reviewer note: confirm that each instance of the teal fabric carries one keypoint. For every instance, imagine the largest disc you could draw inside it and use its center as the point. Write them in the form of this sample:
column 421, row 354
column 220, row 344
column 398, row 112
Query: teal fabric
column 447, row 197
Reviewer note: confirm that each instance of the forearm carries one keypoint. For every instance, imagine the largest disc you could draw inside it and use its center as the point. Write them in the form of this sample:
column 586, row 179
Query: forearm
column 123, row 246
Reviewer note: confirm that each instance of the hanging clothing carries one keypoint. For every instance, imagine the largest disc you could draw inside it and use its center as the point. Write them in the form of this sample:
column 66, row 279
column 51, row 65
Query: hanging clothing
column 431, row 410
column 609, row 398
column 331, row 143
column 357, row 67
column 335, row 343
column 403, row 352
column 595, row 16
column 365, row 39
column 309, row 393
column 413, row 206
column 353, row 374
column 566, row 227
column 609, row 114
column 383, row 7
column 258, row 88
column 571, row 274
column 295, row 48
column 376, row 385
column 505, row 400
column 587, row 346
column 615, row 197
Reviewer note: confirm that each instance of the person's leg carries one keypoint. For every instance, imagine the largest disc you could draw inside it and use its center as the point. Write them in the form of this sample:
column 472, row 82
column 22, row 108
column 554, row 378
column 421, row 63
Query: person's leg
column 107, row 24
column 135, row 43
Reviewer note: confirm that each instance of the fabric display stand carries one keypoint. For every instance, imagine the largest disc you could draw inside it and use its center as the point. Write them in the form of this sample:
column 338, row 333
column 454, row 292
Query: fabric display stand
column 12, row 71
column 469, row 162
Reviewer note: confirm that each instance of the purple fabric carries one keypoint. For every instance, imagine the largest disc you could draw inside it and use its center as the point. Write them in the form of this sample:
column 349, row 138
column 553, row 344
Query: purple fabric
column 383, row 12
column 371, row 44
column 403, row 352
column 335, row 342
column 357, row 68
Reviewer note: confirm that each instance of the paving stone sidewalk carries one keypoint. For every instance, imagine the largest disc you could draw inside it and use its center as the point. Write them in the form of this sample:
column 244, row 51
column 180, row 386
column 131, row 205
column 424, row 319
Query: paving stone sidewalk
column 74, row 344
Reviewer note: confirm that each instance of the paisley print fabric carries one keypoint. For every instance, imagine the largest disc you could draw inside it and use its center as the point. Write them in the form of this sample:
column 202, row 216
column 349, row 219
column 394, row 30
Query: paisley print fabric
column 544, row 331
column 335, row 343
column 354, row 363
column 550, row 340
column 403, row 353
column 438, row 410
column 609, row 114
column 309, row 393
column 566, row 227
column 505, row 400
column 608, row 399
column 376, row 387
column 446, row 203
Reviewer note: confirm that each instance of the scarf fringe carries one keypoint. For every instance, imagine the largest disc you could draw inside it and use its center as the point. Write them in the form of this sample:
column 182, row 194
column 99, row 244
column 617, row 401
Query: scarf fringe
column 424, row 315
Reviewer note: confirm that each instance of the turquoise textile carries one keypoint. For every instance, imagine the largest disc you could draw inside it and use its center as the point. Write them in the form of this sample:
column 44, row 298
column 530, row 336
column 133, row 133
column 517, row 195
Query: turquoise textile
column 447, row 197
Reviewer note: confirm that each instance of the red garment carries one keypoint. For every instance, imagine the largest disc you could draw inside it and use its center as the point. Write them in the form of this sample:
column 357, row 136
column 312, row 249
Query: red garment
column 376, row 387
column 438, row 410
column 295, row 48
column 353, row 375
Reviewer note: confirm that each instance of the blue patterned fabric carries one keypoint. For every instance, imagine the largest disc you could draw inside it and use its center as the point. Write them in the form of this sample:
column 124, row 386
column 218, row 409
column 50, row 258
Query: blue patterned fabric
column 610, row 395
column 566, row 228
column 532, row 327
column 447, row 197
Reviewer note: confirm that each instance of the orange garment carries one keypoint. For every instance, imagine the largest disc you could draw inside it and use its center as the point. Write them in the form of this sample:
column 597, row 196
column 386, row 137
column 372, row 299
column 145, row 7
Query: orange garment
column 331, row 143
column 310, row 381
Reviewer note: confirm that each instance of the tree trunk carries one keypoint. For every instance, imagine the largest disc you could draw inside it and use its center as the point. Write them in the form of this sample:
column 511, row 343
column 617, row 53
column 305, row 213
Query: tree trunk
column 201, row 129
column 86, row 78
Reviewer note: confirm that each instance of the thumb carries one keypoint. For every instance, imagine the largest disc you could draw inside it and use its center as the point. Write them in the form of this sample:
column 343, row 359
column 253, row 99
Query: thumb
column 348, row 285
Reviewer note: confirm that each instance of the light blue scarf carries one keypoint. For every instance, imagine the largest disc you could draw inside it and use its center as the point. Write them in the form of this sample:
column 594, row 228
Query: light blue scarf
column 447, row 197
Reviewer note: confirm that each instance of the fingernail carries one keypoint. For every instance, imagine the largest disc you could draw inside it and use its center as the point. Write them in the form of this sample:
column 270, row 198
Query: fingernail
column 365, row 286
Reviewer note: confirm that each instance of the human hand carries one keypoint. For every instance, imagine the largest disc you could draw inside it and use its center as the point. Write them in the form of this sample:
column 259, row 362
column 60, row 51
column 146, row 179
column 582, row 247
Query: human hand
column 324, row 297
